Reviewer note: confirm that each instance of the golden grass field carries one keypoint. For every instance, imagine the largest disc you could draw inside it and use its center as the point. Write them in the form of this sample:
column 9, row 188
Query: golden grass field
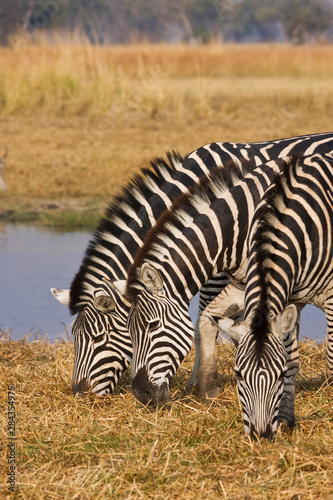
column 78, row 121
column 115, row 448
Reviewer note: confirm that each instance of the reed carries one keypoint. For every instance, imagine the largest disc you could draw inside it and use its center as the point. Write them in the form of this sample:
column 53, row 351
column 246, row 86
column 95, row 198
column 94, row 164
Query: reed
column 115, row 448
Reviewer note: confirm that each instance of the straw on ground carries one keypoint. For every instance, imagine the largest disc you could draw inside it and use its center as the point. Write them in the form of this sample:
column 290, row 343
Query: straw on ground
column 96, row 448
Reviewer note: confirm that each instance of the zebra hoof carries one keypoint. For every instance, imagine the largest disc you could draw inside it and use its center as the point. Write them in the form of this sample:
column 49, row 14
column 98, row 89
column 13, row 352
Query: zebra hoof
column 286, row 425
column 192, row 389
column 210, row 393
column 193, row 382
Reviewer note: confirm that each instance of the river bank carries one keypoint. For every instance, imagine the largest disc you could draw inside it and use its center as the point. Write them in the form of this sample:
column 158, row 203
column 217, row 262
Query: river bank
column 67, row 214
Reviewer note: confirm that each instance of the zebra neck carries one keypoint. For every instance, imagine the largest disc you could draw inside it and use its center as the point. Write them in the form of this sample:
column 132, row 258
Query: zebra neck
column 203, row 237
column 269, row 286
column 213, row 241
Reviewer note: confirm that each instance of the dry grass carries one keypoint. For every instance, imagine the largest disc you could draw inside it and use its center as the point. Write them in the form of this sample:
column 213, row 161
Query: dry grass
column 162, row 82
column 71, row 80
column 116, row 448
column 78, row 120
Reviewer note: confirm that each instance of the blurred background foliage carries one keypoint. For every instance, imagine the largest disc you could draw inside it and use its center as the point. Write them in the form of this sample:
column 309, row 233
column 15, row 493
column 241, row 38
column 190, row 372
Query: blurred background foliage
column 170, row 21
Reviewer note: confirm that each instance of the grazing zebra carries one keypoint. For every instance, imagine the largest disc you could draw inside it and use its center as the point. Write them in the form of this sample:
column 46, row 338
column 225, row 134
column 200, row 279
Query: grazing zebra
column 203, row 233
column 102, row 345
column 290, row 260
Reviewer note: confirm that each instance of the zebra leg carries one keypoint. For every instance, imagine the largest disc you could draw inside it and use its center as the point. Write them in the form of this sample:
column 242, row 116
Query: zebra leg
column 208, row 292
column 194, row 381
column 208, row 367
column 286, row 414
column 328, row 309
column 228, row 303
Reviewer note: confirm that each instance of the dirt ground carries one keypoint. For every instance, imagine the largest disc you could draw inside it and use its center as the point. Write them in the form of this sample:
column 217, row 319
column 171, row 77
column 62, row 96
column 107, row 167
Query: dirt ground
column 59, row 163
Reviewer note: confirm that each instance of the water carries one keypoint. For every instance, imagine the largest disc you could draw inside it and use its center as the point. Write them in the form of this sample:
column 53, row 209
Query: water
column 34, row 259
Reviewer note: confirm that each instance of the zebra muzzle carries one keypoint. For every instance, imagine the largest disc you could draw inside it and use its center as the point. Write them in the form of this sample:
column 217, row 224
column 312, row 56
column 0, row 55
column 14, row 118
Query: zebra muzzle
column 268, row 433
column 147, row 392
column 82, row 387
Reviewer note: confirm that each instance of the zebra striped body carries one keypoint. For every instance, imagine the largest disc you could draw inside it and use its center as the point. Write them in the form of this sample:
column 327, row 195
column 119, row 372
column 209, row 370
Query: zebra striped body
column 204, row 233
column 197, row 238
column 102, row 345
column 290, row 260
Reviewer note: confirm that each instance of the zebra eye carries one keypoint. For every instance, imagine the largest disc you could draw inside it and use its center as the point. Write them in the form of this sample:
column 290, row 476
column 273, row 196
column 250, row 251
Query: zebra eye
column 283, row 374
column 98, row 338
column 153, row 324
column 238, row 374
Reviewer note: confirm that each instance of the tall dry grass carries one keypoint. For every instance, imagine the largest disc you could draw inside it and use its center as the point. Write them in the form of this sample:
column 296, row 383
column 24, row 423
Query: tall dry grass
column 80, row 119
column 71, row 80
column 113, row 447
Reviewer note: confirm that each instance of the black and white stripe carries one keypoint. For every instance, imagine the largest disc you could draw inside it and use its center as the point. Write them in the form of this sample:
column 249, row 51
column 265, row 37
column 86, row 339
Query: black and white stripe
column 102, row 344
column 203, row 233
column 290, row 260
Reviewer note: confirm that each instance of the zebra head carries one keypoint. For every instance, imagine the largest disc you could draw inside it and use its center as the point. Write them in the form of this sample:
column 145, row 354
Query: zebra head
column 260, row 369
column 162, row 334
column 102, row 347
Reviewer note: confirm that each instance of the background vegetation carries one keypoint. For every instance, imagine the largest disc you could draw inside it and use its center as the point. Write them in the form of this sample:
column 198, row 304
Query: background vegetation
column 195, row 21
column 79, row 119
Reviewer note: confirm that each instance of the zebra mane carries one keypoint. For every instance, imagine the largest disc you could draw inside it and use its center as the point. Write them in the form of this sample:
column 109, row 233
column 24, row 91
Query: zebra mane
column 183, row 210
column 269, row 212
column 140, row 186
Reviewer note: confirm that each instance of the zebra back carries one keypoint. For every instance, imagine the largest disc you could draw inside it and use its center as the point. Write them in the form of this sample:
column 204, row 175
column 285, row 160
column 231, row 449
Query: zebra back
column 131, row 213
column 290, row 243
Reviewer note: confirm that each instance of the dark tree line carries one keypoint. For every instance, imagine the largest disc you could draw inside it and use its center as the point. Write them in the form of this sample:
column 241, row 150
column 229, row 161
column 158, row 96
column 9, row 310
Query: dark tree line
column 124, row 21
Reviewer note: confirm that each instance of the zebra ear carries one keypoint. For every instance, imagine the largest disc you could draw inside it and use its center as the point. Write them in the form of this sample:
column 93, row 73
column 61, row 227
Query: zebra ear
column 151, row 278
column 61, row 295
column 234, row 329
column 104, row 303
column 119, row 286
column 288, row 319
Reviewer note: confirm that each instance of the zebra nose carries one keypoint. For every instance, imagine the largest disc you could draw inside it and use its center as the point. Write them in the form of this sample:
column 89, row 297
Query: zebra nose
column 267, row 433
column 142, row 389
column 146, row 392
column 82, row 387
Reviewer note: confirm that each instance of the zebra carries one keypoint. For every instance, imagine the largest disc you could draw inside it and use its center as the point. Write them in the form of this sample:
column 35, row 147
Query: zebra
column 102, row 345
column 203, row 233
column 290, row 251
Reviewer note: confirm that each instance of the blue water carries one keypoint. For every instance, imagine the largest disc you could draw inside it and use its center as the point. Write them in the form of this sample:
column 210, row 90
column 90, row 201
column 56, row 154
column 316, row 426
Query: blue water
column 34, row 259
